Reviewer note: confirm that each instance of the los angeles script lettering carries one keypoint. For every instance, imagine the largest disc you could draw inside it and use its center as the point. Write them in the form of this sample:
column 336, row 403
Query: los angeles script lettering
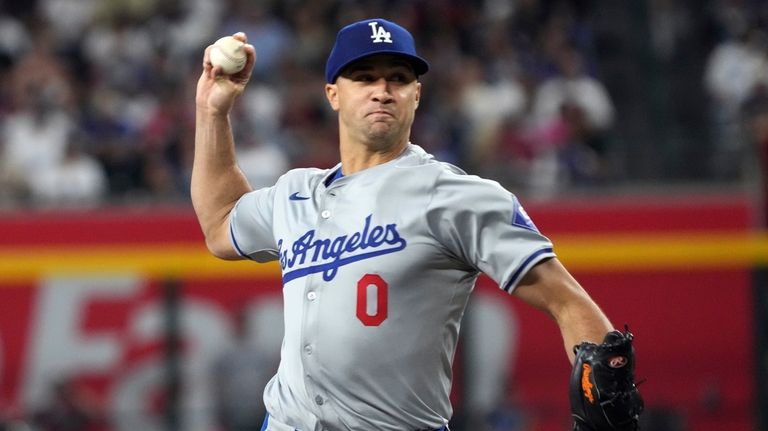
column 326, row 255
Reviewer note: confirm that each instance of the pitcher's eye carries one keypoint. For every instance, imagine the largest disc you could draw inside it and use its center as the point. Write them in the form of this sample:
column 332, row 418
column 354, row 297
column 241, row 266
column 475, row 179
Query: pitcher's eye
column 401, row 77
column 362, row 77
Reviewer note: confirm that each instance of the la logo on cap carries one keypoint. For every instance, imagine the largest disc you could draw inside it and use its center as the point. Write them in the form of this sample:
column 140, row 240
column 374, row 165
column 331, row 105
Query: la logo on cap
column 378, row 34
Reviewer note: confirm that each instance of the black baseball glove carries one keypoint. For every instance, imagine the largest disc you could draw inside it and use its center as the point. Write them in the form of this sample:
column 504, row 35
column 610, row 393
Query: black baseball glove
column 603, row 392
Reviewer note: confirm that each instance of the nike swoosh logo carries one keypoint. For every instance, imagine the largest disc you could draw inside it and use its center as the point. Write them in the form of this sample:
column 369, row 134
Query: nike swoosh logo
column 296, row 197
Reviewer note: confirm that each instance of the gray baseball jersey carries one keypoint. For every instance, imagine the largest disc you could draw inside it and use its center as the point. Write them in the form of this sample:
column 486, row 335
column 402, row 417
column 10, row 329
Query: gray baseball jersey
column 377, row 269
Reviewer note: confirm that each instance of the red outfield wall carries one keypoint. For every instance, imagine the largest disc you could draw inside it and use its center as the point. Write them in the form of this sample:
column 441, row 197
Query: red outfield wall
column 80, row 296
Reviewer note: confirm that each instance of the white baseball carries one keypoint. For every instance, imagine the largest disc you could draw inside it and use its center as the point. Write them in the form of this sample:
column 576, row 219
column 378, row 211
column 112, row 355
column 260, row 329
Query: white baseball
column 228, row 53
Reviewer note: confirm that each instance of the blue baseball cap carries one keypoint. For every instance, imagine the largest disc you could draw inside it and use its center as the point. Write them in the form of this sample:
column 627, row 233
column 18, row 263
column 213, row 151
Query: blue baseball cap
column 369, row 37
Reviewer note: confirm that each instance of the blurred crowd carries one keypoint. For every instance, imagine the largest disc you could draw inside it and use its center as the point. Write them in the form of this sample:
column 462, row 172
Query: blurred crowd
column 96, row 96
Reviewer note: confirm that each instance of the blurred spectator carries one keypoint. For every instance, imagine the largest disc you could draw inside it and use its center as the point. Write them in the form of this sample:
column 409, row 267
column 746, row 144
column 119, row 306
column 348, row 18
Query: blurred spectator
column 270, row 36
column 584, row 155
column 185, row 26
column 256, row 133
column 119, row 49
column 261, row 162
column 35, row 139
column 263, row 108
column 36, row 136
column 115, row 139
column 77, row 181
column 573, row 85
column 735, row 69
column 574, row 112
column 40, row 71
column 166, row 144
column 312, row 37
column 68, row 19
column 485, row 104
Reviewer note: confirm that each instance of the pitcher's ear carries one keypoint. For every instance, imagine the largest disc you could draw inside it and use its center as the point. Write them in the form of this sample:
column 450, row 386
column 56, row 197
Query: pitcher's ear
column 418, row 93
column 332, row 94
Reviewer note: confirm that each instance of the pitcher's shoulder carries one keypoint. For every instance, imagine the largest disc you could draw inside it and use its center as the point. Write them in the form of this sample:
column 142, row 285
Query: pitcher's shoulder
column 425, row 163
column 303, row 176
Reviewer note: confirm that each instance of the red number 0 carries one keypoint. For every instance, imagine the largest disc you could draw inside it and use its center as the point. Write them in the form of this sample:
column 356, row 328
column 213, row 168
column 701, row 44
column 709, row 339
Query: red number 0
column 381, row 300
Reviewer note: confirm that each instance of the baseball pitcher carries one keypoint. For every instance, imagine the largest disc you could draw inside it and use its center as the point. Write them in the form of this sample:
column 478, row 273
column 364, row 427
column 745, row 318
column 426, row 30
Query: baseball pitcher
column 380, row 253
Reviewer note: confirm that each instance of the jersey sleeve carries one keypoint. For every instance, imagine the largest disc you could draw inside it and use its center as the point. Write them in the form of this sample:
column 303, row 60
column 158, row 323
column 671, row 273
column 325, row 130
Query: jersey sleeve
column 251, row 226
column 484, row 225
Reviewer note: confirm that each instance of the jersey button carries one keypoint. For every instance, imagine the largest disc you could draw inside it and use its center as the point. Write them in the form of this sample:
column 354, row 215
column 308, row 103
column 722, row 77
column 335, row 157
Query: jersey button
column 325, row 214
column 312, row 295
column 319, row 400
column 308, row 349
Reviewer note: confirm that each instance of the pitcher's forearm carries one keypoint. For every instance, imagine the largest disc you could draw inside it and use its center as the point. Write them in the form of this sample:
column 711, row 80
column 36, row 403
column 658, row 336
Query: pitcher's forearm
column 549, row 287
column 582, row 321
column 217, row 182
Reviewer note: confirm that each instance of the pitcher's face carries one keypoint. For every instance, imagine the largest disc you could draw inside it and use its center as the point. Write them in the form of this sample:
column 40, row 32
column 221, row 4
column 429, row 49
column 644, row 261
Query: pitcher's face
column 376, row 99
